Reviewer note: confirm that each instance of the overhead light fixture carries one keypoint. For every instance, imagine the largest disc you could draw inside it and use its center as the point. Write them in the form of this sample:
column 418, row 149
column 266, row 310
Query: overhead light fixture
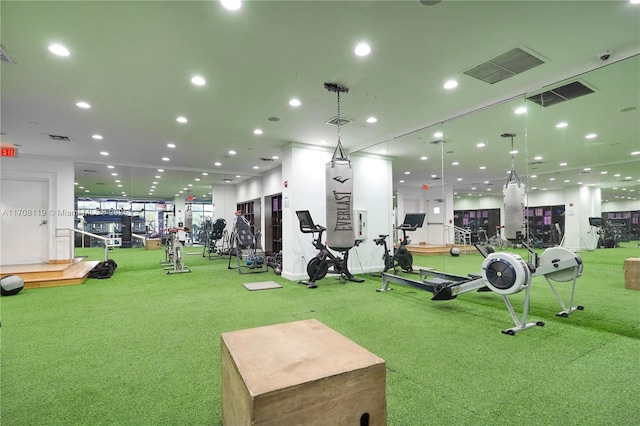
column 165, row 158
column 231, row 4
column 561, row 125
column 372, row 120
column 97, row 137
column 82, row 104
column 171, row 145
column 591, row 136
column 450, row 84
column 362, row 49
column 105, row 153
column 520, row 110
column 295, row 102
column 257, row 132
column 58, row 49
column 198, row 80
column 182, row 120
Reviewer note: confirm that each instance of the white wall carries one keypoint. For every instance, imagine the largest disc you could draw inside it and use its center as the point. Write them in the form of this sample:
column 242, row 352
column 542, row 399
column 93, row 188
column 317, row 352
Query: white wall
column 620, row 206
column 59, row 173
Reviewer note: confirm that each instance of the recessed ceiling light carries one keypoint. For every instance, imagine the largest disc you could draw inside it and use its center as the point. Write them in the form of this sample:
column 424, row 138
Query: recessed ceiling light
column 181, row 119
column 119, row 185
column 635, row 153
column 591, row 136
column 58, row 49
column 513, row 152
column 190, row 185
column 295, row 102
column 160, row 170
column 105, row 153
column 362, row 49
column 205, row 174
column 111, row 167
column 424, row 158
column 171, row 145
column 238, row 176
column 198, row 80
column 459, row 179
column 563, row 164
column 97, row 137
column 534, row 176
column 114, row 174
column 275, row 157
column 372, row 120
column 561, row 125
column 537, row 157
column 157, row 177
column 552, row 178
column 604, row 173
column 217, row 163
column 257, row 132
column 86, row 190
column 407, row 173
column 455, row 163
column 165, row 158
column 450, row 84
column 154, row 183
column 197, row 179
column 83, row 104
column 566, row 181
column 401, row 181
column 117, row 181
column 256, row 167
column 231, row 4
column 481, row 145
column 232, row 152
column 482, row 167
column 437, row 135
column 520, row 110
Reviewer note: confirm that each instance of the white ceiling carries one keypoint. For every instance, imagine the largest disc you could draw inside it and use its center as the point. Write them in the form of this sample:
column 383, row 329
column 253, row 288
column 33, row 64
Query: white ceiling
column 132, row 61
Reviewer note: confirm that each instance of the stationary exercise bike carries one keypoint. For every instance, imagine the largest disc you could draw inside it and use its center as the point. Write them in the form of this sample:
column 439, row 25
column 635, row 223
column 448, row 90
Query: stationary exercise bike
column 402, row 257
column 318, row 267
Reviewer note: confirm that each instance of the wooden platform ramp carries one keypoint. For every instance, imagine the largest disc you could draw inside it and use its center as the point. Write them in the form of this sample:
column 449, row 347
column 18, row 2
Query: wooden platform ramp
column 51, row 274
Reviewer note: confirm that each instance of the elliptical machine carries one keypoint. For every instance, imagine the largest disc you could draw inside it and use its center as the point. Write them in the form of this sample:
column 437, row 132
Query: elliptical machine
column 318, row 267
column 402, row 257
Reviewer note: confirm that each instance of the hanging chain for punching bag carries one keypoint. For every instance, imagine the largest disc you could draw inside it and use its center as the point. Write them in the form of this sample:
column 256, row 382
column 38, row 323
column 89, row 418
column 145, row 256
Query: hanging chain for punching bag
column 339, row 190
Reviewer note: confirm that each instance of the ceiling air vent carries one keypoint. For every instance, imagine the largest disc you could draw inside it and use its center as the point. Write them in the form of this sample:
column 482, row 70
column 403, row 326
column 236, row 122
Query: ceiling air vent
column 89, row 171
column 4, row 56
column 561, row 94
column 334, row 121
column 60, row 138
column 511, row 63
column 266, row 159
column 438, row 141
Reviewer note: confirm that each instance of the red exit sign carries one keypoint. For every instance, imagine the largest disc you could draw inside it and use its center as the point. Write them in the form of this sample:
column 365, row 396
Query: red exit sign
column 8, row 151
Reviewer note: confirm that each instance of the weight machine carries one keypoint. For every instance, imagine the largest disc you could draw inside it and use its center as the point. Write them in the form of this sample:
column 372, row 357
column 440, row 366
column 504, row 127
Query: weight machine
column 214, row 232
column 244, row 246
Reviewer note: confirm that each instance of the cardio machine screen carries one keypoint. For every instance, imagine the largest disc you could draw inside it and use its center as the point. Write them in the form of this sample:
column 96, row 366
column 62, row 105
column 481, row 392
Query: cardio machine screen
column 414, row 220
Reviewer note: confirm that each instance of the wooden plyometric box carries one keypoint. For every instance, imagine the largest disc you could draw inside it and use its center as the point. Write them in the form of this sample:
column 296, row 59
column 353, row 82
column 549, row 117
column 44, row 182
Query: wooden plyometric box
column 300, row 373
column 153, row 243
column 632, row 273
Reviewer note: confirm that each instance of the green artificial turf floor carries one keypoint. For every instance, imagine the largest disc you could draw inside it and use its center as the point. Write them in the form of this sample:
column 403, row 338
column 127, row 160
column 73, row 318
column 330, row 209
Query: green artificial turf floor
column 143, row 347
